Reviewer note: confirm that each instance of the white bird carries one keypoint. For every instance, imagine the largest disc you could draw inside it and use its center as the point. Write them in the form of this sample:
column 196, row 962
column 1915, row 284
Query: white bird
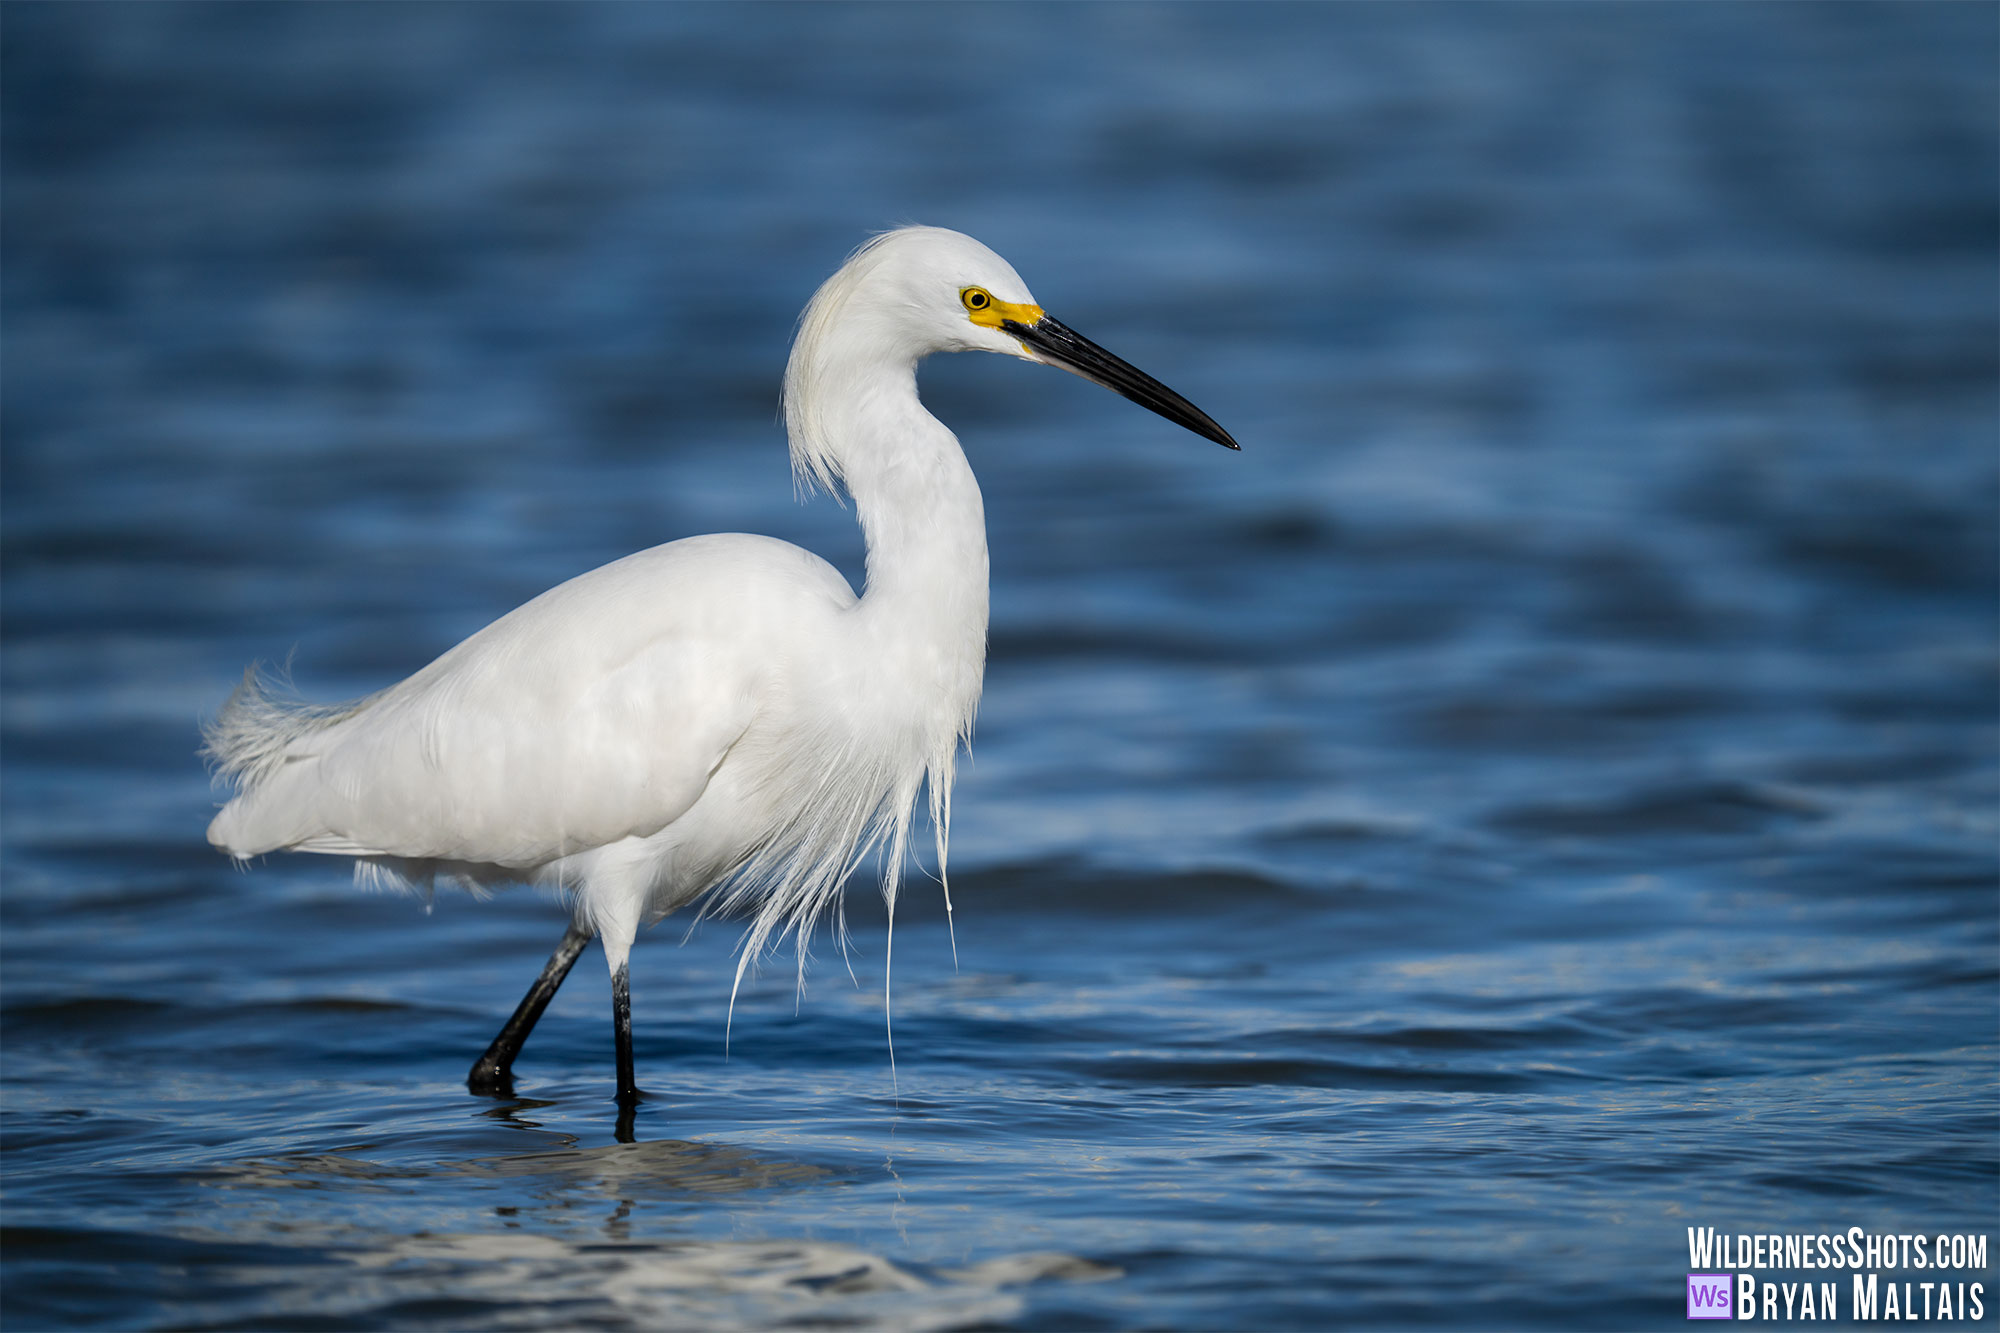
column 719, row 715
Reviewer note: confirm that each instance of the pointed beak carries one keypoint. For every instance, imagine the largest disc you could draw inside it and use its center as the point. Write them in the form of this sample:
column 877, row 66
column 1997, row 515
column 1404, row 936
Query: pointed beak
column 1059, row 345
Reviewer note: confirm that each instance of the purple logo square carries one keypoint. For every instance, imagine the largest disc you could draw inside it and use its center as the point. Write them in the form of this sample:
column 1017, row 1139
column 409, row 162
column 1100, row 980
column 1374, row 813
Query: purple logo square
column 1709, row 1296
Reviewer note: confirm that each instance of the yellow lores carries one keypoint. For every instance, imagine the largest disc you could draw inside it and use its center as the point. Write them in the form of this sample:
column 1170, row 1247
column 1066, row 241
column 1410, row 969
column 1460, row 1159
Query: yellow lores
column 993, row 314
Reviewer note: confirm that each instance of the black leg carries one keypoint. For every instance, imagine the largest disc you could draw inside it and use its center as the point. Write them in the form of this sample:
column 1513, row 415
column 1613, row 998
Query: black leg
column 621, row 1019
column 493, row 1072
column 621, row 1025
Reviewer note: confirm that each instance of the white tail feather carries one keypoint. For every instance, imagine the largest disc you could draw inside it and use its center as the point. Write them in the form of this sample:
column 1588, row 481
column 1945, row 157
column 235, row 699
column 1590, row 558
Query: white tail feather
column 262, row 723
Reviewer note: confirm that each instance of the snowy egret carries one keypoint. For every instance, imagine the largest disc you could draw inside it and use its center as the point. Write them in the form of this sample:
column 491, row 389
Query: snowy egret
column 720, row 715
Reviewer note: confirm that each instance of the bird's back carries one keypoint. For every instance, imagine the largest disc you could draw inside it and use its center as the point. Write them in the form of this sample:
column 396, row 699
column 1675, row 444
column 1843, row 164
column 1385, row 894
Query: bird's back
column 596, row 712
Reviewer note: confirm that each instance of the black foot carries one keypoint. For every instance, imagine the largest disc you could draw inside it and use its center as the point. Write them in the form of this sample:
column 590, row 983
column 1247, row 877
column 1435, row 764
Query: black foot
column 490, row 1079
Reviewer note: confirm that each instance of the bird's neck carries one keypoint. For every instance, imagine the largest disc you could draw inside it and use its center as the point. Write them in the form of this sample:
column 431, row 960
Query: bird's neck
column 926, row 600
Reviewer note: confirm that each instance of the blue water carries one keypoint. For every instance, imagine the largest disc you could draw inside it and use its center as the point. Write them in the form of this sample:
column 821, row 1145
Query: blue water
column 1539, row 797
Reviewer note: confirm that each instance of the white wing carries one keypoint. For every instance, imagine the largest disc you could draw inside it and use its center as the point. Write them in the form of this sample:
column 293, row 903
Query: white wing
column 596, row 712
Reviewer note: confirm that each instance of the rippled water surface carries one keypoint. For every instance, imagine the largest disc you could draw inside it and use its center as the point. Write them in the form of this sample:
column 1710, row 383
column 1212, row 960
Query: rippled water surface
column 1538, row 797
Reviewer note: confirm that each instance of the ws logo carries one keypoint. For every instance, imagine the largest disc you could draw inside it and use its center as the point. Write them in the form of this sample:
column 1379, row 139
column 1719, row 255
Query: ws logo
column 1709, row 1295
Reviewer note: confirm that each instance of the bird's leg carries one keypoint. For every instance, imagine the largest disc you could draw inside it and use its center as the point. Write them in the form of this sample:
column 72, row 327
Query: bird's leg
column 628, row 1116
column 621, row 1020
column 493, row 1072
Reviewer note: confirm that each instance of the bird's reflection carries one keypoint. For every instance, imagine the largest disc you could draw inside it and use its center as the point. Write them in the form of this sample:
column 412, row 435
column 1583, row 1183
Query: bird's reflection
column 509, row 1108
column 632, row 1168
column 609, row 1229
column 509, row 1111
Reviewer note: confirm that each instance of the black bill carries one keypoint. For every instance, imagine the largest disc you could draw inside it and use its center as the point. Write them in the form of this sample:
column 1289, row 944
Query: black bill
column 1065, row 347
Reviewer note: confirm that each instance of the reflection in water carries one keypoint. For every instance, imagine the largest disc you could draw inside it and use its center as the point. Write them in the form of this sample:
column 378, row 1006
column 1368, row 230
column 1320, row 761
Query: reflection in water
column 709, row 1283
column 658, row 1167
column 536, row 1264
column 508, row 1111
column 654, row 1170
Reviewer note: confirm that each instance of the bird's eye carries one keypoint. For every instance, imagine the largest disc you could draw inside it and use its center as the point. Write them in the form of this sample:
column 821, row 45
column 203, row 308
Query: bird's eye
column 976, row 298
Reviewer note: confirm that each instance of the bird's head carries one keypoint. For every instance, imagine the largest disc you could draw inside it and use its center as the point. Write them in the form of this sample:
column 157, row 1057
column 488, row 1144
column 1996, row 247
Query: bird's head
column 917, row 290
